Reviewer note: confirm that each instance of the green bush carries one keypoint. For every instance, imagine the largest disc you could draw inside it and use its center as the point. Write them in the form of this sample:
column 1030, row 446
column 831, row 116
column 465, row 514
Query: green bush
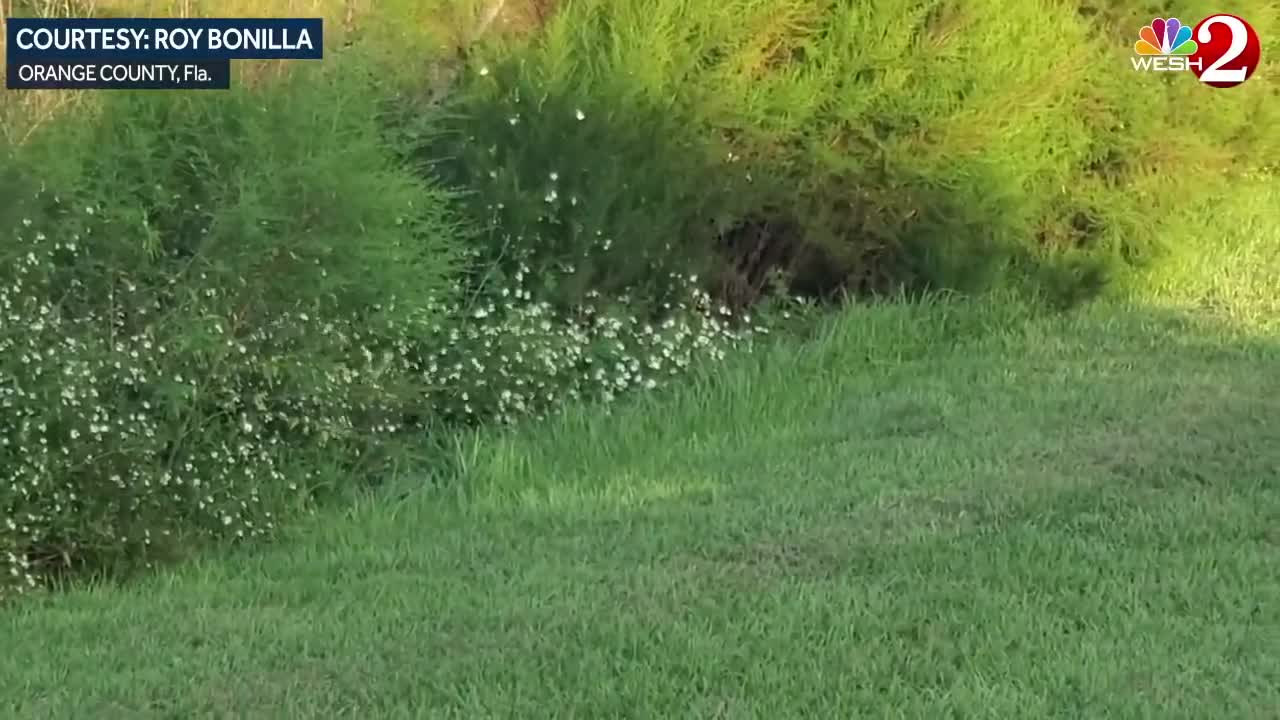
column 874, row 143
column 604, row 191
column 211, row 304
column 205, row 299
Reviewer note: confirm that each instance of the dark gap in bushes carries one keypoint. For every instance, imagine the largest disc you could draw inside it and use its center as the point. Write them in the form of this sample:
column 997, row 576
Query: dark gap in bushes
column 766, row 255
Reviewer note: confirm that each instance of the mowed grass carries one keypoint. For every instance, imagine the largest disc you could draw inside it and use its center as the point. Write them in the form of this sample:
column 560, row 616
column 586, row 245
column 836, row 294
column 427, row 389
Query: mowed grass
column 936, row 509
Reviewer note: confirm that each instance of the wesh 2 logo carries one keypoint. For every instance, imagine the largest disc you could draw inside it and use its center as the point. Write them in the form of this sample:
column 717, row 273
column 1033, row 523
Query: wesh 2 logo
column 1222, row 50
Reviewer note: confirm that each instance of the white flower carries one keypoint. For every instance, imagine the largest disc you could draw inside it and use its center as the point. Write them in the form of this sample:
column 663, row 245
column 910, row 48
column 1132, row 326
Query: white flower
column 484, row 70
column 581, row 115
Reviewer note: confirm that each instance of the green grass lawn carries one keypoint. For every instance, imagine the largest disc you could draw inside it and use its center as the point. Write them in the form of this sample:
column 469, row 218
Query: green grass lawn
column 928, row 510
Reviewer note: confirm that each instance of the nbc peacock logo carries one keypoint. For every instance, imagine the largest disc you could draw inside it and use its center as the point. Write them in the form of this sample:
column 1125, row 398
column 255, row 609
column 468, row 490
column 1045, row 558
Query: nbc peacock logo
column 1165, row 45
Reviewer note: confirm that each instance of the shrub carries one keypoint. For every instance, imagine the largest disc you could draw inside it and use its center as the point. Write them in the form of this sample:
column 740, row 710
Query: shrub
column 599, row 192
column 887, row 142
column 211, row 303
column 211, row 297
column 594, row 217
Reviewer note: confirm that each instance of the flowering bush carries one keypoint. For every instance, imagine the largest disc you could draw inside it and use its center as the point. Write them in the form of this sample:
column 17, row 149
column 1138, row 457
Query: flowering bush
column 211, row 299
column 137, row 413
column 213, row 303
column 510, row 354
column 146, row 415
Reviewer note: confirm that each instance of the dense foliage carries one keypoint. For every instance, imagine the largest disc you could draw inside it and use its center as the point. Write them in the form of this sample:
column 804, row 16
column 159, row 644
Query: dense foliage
column 200, row 294
column 213, row 305
column 854, row 144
